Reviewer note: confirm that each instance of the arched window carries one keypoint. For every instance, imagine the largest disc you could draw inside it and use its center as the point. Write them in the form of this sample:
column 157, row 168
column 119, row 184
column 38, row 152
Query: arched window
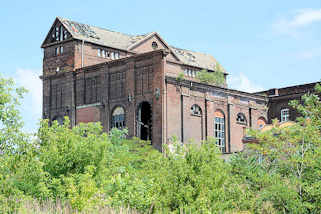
column 285, row 115
column 241, row 119
column 261, row 122
column 118, row 118
column 196, row 110
column 59, row 119
column 219, row 129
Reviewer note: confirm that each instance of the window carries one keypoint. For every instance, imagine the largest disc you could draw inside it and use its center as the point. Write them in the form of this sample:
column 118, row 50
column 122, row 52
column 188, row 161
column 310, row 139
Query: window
column 154, row 45
column 57, row 33
column 99, row 52
column 112, row 55
column 241, row 119
column 196, row 110
column 219, row 129
column 56, row 51
column 61, row 33
column 103, row 53
column 59, row 119
column 65, row 35
column 118, row 118
column 285, row 115
column 58, row 69
column 61, row 49
column 261, row 122
column 116, row 55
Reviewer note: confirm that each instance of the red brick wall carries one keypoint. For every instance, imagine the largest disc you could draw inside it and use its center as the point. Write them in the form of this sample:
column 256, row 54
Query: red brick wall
column 88, row 114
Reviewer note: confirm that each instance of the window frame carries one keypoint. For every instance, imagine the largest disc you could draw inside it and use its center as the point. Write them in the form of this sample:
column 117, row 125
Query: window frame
column 195, row 108
column 239, row 115
column 118, row 121
column 285, row 117
column 219, row 132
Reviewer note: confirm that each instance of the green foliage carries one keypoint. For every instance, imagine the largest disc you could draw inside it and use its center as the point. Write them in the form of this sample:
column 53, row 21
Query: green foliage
column 180, row 76
column 217, row 77
column 90, row 169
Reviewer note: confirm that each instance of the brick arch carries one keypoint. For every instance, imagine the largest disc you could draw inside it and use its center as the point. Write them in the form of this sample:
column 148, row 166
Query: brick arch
column 121, row 120
column 59, row 118
column 219, row 113
column 261, row 122
column 196, row 110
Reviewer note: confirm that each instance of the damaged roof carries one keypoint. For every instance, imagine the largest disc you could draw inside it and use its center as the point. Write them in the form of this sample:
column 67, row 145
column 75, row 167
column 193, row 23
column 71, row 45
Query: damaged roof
column 104, row 37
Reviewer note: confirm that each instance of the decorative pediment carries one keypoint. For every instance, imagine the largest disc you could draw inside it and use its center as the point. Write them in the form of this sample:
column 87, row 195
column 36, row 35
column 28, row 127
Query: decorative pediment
column 152, row 42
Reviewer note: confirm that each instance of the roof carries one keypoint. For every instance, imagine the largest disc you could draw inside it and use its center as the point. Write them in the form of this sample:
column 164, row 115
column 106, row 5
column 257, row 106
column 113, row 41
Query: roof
column 104, row 37
column 196, row 59
column 100, row 36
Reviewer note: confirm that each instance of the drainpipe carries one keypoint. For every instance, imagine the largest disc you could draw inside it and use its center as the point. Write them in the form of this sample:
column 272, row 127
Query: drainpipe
column 182, row 119
column 205, row 119
column 250, row 117
column 82, row 53
column 229, row 126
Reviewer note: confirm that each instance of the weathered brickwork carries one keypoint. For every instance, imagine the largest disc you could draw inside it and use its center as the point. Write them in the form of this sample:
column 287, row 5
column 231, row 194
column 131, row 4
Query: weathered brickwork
column 279, row 99
column 140, row 91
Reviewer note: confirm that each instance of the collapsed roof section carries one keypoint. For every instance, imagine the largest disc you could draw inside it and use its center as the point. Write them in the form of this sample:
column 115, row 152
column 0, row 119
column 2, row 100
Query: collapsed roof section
column 108, row 38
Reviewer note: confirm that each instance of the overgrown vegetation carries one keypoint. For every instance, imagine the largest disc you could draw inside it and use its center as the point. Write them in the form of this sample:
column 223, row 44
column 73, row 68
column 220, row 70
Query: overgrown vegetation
column 216, row 78
column 91, row 170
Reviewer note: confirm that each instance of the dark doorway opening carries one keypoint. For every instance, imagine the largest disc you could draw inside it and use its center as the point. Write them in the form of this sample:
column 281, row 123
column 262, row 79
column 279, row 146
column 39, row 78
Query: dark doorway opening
column 144, row 121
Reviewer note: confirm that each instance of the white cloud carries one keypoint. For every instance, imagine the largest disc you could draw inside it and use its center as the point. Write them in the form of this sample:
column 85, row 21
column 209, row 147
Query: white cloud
column 31, row 108
column 305, row 17
column 292, row 24
column 242, row 83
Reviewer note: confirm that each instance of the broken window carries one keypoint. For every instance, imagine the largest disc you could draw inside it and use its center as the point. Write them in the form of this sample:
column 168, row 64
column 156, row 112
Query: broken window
column 118, row 118
column 196, row 110
column 241, row 118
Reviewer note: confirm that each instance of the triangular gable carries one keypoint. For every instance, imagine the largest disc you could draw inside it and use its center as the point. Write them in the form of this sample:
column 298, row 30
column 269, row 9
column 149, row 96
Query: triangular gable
column 62, row 33
column 148, row 39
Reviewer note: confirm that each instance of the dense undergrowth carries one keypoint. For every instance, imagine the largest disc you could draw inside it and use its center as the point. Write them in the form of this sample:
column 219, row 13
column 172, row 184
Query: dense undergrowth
column 89, row 169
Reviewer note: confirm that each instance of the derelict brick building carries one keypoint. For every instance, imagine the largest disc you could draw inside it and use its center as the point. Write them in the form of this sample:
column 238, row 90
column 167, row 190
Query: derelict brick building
column 92, row 74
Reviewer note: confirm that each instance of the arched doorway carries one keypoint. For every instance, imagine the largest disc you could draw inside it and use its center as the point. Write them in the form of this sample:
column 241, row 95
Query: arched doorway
column 144, row 121
column 60, row 119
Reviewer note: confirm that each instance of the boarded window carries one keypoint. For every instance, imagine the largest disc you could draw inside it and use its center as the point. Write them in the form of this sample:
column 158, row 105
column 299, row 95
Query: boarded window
column 117, row 84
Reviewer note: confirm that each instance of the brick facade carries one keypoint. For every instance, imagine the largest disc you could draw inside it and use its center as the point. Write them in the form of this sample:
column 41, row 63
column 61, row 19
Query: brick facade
column 279, row 99
column 89, row 88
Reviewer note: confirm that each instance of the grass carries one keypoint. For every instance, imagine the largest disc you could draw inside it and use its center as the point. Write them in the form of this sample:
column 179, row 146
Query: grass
column 58, row 207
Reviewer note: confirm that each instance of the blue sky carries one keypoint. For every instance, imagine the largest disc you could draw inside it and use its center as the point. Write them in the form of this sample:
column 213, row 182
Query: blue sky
column 262, row 44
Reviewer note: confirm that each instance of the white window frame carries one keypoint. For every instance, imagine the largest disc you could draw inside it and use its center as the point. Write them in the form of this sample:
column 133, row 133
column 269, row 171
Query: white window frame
column 285, row 115
column 219, row 132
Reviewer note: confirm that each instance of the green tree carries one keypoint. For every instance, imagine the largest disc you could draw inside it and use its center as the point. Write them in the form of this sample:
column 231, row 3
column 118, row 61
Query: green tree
column 293, row 156
column 217, row 77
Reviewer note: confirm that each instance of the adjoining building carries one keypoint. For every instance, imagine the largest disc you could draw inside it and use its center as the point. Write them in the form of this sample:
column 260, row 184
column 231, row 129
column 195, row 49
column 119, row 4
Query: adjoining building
column 91, row 74
column 279, row 98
